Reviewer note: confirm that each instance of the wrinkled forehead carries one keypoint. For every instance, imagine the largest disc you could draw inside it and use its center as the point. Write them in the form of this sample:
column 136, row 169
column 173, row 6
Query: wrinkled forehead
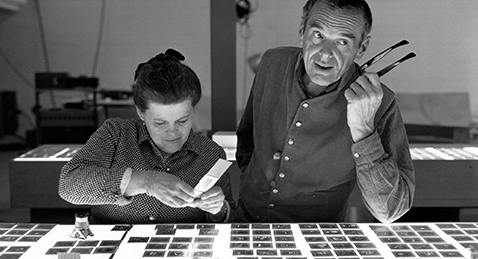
column 346, row 21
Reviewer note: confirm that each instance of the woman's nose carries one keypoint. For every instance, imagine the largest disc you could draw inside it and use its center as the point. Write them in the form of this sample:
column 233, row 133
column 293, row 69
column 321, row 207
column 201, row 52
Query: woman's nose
column 172, row 129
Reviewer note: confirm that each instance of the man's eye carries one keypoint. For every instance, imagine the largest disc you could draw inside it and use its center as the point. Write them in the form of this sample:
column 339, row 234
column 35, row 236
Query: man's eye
column 343, row 42
column 318, row 35
column 182, row 121
column 159, row 124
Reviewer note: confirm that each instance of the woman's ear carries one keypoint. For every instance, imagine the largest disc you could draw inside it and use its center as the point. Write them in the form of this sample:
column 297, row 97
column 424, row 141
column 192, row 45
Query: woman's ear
column 140, row 114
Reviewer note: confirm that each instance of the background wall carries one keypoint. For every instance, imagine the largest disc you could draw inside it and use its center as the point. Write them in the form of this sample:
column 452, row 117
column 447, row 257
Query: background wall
column 134, row 31
column 441, row 32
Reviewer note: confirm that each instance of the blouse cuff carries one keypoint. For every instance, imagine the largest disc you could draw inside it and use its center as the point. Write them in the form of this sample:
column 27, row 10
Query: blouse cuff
column 119, row 198
column 227, row 211
column 125, row 180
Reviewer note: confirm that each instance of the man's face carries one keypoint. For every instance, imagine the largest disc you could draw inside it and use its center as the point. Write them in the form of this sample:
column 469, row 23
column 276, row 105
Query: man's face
column 331, row 41
column 169, row 125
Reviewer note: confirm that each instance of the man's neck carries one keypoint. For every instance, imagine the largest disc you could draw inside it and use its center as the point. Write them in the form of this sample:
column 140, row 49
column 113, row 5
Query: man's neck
column 312, row 88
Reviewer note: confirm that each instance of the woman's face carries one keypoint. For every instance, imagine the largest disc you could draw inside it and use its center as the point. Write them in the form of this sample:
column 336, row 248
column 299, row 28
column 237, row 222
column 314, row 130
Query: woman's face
column 168, row 125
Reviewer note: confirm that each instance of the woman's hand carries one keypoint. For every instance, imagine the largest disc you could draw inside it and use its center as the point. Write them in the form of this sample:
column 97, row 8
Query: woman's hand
column 170, row 190
column 210, row 201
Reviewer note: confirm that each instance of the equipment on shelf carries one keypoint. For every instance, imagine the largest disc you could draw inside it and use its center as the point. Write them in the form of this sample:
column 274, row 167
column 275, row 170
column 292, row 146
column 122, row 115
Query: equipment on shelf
column 73, row 123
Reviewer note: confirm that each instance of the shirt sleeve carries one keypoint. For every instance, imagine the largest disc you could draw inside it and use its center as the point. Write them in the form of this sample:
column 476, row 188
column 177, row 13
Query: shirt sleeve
column 88, row 179
column 385, row 173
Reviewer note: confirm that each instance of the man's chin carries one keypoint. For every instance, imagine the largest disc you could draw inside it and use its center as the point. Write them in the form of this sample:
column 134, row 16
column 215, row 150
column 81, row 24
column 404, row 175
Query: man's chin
column 323, row 78
column 322, row 81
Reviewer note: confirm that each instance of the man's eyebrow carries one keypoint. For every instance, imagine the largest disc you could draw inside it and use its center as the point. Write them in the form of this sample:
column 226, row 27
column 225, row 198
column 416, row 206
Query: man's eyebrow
column 317, row 24
column 348, row 35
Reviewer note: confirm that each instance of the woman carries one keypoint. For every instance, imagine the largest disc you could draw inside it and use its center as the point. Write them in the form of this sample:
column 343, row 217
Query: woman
column 144, row 170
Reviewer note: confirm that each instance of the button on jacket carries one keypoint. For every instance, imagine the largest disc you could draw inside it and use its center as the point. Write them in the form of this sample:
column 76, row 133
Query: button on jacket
column 297, row 157
column 95, row 174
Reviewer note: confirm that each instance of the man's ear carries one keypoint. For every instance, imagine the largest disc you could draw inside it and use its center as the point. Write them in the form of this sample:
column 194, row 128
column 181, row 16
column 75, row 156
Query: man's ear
column 301, row 32
column 363, row 47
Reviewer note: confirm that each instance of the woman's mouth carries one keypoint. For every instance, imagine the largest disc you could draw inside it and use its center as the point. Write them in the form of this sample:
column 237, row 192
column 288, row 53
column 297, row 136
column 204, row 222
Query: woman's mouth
column 173, row 140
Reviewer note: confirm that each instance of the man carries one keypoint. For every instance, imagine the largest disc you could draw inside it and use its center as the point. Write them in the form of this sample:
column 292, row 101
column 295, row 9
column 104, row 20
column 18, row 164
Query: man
column 315, row 125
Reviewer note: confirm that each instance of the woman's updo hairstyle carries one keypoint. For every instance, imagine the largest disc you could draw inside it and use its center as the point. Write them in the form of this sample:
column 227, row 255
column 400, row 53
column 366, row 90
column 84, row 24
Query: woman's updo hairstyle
column 165, row 80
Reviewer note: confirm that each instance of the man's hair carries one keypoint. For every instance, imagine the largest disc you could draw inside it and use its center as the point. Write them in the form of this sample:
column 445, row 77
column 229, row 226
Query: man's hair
column 359, row 5
column 165, row 80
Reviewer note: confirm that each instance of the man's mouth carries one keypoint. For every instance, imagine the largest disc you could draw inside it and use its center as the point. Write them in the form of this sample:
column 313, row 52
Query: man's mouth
column 323, row 67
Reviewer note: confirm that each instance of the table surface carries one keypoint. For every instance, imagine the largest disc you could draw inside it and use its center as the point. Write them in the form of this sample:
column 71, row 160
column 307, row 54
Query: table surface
column 242, row 240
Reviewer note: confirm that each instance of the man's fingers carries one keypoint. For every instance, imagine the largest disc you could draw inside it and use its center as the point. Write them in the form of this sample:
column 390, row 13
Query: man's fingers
column 373, row 79
column 370, row 82
column 367, row 85
column 355, row 92
column 349, row 95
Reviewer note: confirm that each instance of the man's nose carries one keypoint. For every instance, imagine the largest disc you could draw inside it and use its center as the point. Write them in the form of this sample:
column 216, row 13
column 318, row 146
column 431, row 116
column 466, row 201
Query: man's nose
column 326, row 50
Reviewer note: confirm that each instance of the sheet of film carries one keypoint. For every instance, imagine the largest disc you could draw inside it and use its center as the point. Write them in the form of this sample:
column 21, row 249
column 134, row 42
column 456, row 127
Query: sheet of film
column 208, row 181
